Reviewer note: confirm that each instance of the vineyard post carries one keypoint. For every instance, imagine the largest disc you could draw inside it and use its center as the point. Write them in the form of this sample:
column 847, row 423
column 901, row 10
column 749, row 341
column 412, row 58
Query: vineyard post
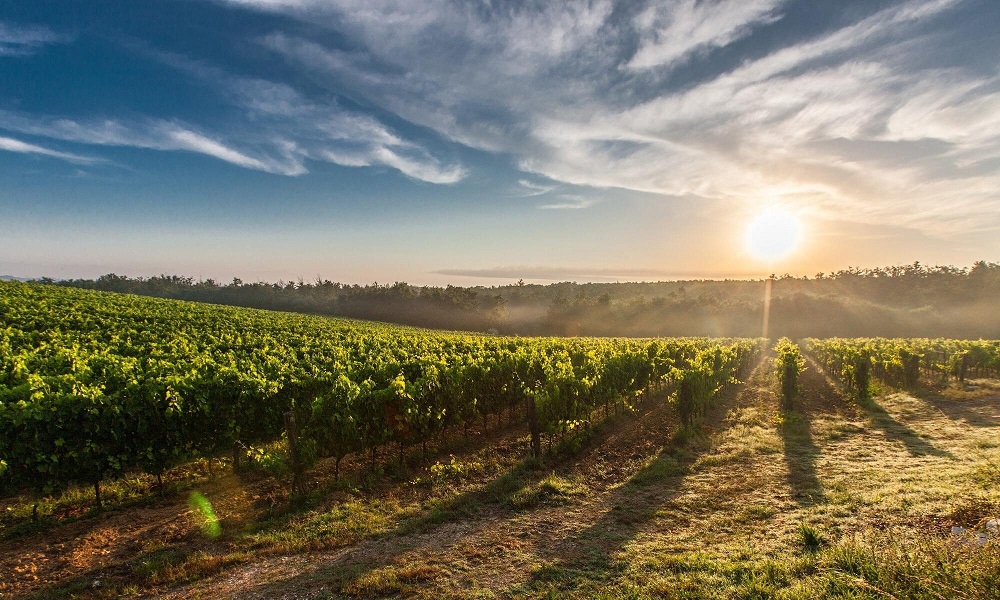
column 237, row 466
column 536, row 434
column 291, row 429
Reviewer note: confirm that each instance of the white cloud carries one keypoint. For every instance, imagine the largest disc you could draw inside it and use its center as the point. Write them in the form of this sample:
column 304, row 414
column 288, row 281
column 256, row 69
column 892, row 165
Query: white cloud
column 568, row 202
column 287, row 132
column 419, row 169
column 272, row 128
column 17, row 40
column 332, row 133
column 534, row 189
column 13, row 145
column 185, row 139
column 303, row 129
column 153, row 134
column 671, row 31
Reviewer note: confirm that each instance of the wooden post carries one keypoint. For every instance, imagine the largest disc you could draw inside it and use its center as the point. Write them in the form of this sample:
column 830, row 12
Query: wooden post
column 291, row 429
column 237, row 451
column 536, row 434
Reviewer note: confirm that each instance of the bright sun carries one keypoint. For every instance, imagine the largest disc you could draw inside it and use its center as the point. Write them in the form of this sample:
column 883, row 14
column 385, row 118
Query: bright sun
column 773, row 234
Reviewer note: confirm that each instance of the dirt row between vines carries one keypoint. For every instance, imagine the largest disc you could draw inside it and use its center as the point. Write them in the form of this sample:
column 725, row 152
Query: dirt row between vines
column 635, row 482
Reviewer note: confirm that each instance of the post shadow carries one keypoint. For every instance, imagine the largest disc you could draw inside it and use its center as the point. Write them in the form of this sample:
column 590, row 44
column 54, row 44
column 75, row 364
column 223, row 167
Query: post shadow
column 801, row 454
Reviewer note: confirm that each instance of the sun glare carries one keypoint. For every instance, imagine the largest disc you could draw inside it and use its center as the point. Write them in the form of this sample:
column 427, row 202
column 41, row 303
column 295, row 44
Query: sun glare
column 773, row 234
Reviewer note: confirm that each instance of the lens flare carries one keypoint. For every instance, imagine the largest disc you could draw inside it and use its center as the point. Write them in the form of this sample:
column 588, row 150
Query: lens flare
column 205, row 515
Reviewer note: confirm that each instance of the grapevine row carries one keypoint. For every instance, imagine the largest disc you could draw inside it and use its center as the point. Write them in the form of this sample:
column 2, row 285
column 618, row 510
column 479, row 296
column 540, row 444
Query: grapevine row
column 789, row 364
column 95, row 385
column 902, row 362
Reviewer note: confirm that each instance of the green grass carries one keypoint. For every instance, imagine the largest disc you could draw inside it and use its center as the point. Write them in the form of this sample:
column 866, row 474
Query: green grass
column 553, row 490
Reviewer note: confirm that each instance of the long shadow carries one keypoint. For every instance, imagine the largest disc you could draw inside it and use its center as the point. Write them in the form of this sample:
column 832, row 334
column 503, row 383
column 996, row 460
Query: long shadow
column 410, row 535
column 818, row 397
column 893, row 429
column 970, row 411
column 589, row 553
column 900, row 432
column 476, row 507
column 353, row 475
column 112, row 577
column 800, row 455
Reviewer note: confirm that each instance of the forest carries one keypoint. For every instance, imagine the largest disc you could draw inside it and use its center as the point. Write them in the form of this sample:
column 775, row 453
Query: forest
column 897, row 301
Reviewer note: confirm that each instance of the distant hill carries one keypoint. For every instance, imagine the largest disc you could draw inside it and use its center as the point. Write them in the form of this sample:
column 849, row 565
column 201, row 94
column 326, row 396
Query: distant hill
column 12, row 278
column 901, row 301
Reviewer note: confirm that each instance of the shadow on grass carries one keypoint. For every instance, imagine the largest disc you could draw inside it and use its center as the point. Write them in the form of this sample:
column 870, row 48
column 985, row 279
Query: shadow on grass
column 364, row 569
column 893, row 429
column 589, row 555
column 818, row 397
column 896, row 431
column 976, row 412
column 800, row 458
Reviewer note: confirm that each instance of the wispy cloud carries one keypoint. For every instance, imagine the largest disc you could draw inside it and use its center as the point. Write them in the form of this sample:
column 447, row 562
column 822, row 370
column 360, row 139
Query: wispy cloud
column 155, row 134
column 530, row 188
column 20, row 40
column 288, row 133
column 323, row 130
column 555, row 273
column 672, row 31
column 12, row 145
column 568, row 202
column 577, row 93
column 185, row 139
column 271, row 127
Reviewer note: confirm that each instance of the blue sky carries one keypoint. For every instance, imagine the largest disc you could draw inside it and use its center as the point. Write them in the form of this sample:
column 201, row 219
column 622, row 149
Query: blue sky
column 480, row 142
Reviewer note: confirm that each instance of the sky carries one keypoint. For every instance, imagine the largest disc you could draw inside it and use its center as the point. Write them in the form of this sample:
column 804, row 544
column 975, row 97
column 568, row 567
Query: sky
column 481, row 142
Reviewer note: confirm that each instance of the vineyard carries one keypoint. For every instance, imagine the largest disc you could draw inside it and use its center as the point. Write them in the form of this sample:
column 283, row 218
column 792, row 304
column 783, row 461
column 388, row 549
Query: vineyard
column 285, row 455
column 94, row 386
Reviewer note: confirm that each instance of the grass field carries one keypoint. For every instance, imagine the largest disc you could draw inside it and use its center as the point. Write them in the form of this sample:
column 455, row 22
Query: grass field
column 834, row 499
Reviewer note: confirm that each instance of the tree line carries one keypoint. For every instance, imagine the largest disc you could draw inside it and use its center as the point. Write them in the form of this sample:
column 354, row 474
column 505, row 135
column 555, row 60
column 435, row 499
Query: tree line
column 899, row 301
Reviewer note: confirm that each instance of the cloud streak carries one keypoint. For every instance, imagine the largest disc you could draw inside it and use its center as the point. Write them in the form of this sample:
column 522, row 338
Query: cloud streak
column 324, row 131
column 21, row 40
column 153, row 134
column 12, row 145
column 547, row 273
column 271, row 126
column 584, row 93
column 671, row 31
column 289, row 131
